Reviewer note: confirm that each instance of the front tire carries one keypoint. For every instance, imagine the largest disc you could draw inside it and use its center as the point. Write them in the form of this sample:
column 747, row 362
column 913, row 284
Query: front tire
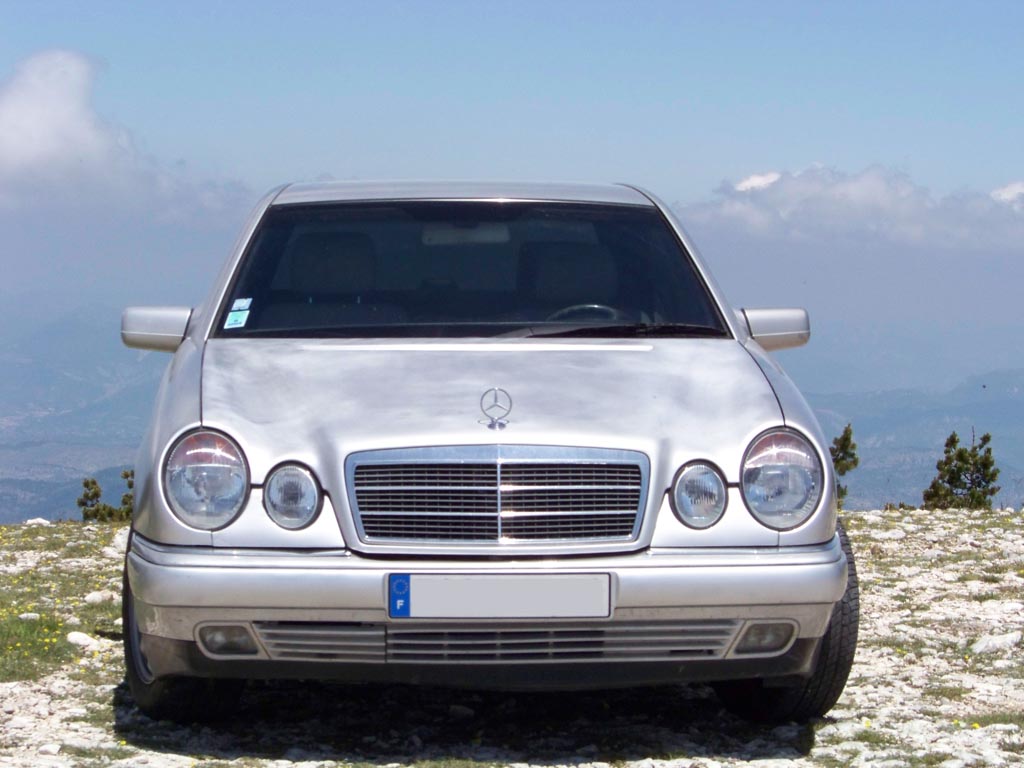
column 181, row 699
column 815, row 696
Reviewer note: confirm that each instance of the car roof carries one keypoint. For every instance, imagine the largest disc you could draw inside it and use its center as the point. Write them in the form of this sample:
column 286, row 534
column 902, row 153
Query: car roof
column 617, row 194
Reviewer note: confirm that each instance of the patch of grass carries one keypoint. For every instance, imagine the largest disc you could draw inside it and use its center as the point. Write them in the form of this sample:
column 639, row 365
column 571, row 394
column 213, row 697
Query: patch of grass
column 98, row 668
column 1015, row 742
column 827, row 761
column 958, row 558
column 874, row 737
column 451, row 762
column 983, row 597
column 1015, row 746
column 902, row 645
column 31, row 648
column 56, row 537
column 931, row 759
column 951, row 692
column 1011, row 717
column 97, row 755
column 100, row 705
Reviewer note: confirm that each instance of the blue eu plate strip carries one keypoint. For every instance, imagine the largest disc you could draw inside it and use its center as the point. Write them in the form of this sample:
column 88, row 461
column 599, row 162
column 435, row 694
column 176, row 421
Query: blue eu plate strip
column 399, row 595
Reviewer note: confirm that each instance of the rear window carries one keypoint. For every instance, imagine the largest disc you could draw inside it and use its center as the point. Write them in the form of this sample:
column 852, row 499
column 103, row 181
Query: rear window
column 424, row 269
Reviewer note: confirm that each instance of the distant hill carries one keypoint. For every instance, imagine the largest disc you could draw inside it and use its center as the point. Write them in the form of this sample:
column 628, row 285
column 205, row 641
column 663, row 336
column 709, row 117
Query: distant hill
column 74, row 403
column 900, row 435
column 24, row 499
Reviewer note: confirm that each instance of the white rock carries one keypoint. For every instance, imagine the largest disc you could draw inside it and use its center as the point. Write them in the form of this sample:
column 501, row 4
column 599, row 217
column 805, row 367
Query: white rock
column 28, row 616
column 120, row 541
column 894, row 535
column 38, row 521
column 993, row 643
column 81, row 639
column 103, row 596
column 73, row 621
column 49, row 749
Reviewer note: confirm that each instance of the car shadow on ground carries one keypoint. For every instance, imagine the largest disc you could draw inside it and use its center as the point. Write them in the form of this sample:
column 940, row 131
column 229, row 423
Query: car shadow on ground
column 378, row 725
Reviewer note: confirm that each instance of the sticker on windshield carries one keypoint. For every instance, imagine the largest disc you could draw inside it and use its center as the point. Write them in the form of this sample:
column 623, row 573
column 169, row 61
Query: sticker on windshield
column 241, row 304
column 236, row 319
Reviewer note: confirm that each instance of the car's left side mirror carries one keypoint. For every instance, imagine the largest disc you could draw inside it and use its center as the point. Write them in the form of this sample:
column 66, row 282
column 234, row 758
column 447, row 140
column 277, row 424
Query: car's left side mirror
column 158, row 328
column 778, row 328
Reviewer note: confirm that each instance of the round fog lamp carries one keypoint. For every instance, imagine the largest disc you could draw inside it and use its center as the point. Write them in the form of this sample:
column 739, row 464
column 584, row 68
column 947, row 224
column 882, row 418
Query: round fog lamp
column 292, row 496
column 698, row 495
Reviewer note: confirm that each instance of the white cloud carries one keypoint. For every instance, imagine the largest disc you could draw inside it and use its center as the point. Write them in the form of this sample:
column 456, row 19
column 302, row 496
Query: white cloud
column 47, row 124
column 758, row 181
column 84, row 214
column 1011, row 194
column 878, row 203
column 56, row 149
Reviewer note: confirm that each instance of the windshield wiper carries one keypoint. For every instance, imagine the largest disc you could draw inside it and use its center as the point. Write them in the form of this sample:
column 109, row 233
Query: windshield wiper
column 631, row 331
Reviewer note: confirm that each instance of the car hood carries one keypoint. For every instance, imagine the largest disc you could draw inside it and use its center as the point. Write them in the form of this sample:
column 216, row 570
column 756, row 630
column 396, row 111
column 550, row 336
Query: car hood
column 316, row 401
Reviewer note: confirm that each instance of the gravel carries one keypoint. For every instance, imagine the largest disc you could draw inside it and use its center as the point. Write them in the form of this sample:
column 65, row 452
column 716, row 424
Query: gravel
column 938, row 681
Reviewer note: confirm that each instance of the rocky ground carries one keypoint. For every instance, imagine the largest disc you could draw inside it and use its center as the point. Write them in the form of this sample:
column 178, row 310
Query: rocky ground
column 938, row 680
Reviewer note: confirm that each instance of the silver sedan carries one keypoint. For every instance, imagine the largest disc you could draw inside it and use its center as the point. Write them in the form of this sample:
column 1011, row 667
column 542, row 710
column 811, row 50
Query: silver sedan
column 494, row 435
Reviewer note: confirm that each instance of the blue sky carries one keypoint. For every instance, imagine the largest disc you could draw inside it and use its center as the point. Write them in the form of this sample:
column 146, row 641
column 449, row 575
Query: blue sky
column 864, row 160
column 675, row 95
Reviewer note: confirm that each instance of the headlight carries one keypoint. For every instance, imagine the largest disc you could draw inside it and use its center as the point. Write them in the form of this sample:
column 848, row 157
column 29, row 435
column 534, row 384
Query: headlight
column 292, row 496
column 698, row 495
column 782, row 479
column 206, row 479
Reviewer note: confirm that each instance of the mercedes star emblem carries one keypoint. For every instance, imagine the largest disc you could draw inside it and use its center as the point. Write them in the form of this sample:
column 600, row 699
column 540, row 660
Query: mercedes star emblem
column 496, row 404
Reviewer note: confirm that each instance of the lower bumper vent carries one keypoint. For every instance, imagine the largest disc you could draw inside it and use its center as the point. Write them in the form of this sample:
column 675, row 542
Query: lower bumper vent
column 505, row 643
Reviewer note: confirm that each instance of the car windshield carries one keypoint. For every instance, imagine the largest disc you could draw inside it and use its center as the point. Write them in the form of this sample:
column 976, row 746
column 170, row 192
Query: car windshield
column 466, row 269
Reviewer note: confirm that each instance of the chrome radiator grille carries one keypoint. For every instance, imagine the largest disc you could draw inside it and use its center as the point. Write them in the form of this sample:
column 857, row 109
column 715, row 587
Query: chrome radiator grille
column 497, row 494
column 507, row 643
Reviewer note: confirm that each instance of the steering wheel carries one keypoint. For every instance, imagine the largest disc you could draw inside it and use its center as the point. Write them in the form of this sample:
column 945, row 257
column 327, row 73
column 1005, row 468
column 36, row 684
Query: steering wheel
column 599, row 311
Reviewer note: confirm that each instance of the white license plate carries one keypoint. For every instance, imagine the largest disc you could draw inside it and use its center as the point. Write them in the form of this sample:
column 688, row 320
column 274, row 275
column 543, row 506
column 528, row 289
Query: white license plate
column 499, row 596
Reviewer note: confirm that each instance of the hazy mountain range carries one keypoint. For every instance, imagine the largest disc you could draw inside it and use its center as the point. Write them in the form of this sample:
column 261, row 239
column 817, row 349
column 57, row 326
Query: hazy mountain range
column 74, row 403
column 900, row 435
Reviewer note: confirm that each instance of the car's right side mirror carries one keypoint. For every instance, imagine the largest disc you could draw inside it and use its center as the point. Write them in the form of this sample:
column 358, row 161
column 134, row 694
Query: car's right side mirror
column 158, row 328
column 778, row 328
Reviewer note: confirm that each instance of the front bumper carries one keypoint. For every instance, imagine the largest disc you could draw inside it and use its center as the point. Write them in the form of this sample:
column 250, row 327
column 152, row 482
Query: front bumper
column 673, row 615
